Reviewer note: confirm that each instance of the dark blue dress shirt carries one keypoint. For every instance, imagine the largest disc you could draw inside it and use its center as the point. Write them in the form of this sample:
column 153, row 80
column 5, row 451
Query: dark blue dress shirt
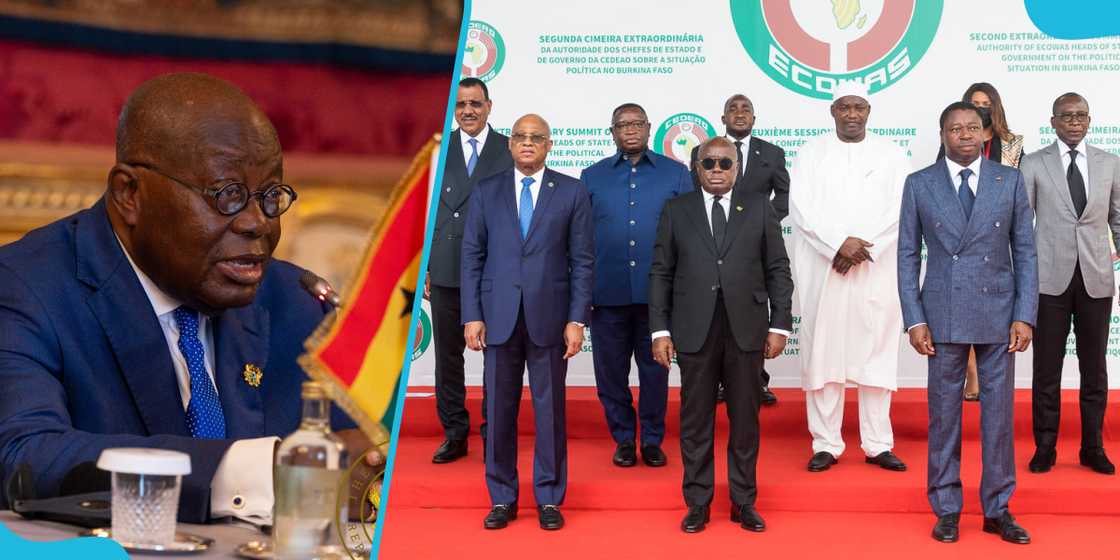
column 626, row 200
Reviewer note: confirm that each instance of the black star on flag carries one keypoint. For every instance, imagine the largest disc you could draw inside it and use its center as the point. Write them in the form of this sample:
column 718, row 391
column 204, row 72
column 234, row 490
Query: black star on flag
column 409, row 298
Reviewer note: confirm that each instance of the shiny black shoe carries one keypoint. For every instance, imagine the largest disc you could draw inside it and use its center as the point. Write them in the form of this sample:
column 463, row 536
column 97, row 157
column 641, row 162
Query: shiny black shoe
column 653, row 456
column 948, row 528
column 696, row 519
column 500, row 515
column 768, row 397
column 450, row 450
column 625, row 455
column 747, row 518
column 822, row 461
column 1007, row 529
column 550, row 517
column 1042, row 460
column 887, row 460
column 1096, row 459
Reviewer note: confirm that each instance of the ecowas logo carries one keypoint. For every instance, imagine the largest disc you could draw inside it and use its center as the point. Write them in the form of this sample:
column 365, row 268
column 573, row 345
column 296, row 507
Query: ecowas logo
column 423, row 335
column 808, row 47
column 680, row 133
column 484, row 53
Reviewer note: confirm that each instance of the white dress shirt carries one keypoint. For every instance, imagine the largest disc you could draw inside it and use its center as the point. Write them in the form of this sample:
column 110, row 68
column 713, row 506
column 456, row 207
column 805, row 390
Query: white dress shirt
column 534, row 189
column 725, row 202
column 1082, row 160
column 466, row 138
column 242, row 485
column 746, row 148
column 955, row 172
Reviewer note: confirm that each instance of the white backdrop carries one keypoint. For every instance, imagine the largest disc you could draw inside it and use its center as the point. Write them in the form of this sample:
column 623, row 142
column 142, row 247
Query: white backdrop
column 574, row 61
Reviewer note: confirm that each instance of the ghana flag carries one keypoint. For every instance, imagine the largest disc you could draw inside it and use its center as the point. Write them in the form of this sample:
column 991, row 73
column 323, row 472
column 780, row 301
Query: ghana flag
column 358, row 352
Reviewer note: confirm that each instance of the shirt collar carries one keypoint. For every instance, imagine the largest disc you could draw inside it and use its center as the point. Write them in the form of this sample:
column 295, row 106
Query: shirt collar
column 1065, row 149
column 746, row 139
column 955, row 168
column 621, row 157
column 481, row 137
column 709, row 196
column 162, row 303
column 537, row 177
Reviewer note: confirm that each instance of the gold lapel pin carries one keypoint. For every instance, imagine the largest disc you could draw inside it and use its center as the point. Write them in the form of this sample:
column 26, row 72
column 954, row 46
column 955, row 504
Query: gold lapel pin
column 252, row 375
column 738, row 208
column 551, row 184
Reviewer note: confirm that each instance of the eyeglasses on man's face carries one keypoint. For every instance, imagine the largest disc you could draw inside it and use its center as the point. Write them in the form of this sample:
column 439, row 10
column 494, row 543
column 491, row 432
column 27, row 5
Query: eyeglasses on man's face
column 710, row 163
column 521, row 138
column 231, row 198
column 1082, row 116
column 627, row 125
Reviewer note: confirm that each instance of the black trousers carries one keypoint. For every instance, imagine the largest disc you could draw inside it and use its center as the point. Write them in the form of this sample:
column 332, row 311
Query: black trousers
column 451, row 392
column 719, row 360
column 1090, row 318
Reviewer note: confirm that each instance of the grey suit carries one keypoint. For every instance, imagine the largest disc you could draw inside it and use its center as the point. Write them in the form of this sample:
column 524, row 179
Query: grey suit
column 1076, row 285
column 981, row 275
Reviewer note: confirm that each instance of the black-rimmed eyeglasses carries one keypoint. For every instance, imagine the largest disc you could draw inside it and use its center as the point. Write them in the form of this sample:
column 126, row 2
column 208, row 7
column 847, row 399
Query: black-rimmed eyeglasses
column 231, row 198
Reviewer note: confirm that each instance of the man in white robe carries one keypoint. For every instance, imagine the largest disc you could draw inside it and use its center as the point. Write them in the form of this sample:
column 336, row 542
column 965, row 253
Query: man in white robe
column 845, row 196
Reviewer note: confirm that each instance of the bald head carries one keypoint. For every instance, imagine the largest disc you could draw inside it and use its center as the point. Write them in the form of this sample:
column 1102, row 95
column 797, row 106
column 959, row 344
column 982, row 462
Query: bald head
column 715, row 141
column 175, row 115
column 529, row 143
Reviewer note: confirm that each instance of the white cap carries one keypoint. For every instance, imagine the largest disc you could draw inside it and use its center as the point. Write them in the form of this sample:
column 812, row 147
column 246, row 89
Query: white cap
column 138, row 460
column 850, row 87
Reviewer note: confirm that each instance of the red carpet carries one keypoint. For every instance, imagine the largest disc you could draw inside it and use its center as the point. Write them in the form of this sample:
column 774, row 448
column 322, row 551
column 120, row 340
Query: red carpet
column 854, row 509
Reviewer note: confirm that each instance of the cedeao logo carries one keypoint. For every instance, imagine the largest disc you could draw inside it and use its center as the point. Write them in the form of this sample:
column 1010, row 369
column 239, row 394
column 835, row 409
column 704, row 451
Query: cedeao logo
column 680, row 133
column 808, row 48
column 484, row 52
column 423, row 335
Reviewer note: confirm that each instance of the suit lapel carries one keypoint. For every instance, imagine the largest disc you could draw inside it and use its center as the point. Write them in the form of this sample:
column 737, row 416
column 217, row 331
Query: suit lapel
column 240, row 340
column 989, row 188
column 946, row 196
column 130, row 325
column 1053, row 162
column 544, row 196
column 505, row 193
column 1099, row 180
column 734, row 221
column 698, row 215
column 491, row 154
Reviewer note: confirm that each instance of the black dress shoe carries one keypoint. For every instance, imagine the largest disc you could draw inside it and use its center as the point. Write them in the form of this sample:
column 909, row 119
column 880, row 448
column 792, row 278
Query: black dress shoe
column 719, row 394
column 1096, row 459
column 625, row 455
column 550, row 517
column 696, row 519
column 888, row 461
column 450, row 450
column 747, row 518
column 1042, row 460
column 653, row 456
column 768, row 397
column 947, row 528
column 1007, row 529
column 822, row 461
column 500, row 515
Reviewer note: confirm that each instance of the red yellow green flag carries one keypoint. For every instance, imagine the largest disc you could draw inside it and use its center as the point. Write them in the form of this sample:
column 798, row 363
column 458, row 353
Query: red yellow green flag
column 359, row 351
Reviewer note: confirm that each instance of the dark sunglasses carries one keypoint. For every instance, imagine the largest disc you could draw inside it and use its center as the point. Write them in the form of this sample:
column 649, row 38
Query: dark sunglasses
column 710, row 163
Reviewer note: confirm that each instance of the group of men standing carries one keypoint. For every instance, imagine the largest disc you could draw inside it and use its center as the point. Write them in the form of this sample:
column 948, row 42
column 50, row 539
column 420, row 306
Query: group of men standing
column 667, row 262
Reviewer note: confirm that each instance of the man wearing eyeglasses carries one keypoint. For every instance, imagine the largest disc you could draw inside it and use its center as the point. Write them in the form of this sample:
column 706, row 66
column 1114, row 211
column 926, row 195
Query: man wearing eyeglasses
column 627, row 191
column 720, row 300
column 1075, row 191
column 845, row 191
column 763, row 169
column 980, row 292
column 133, row 323
column 528, row 258
column 476, row 151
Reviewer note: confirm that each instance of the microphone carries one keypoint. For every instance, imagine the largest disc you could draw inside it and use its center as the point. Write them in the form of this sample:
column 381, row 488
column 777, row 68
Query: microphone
column 319, row 288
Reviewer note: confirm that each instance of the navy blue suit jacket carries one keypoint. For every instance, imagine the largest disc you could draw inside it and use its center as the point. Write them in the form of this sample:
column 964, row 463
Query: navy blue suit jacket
column 982, row 271
column 550, row 271
column 84, row 364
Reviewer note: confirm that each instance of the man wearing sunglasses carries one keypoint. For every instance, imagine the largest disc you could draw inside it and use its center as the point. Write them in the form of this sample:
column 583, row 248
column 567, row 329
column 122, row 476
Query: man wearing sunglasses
column 762, row 169
column 627, row 191
column 720, row 300
column 846, row 188
column 1075, row 190
column 133, row 323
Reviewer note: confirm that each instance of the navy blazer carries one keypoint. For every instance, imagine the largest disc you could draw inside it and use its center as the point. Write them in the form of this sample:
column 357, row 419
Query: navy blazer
column 84, row 364
column 981, row 273
column 550, row 271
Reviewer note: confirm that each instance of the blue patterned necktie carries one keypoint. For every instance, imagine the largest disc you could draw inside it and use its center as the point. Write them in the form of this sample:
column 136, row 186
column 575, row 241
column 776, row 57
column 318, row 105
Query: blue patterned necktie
column 964, row 192
column 204, row 412
column 525, row 214
column 474, row 156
